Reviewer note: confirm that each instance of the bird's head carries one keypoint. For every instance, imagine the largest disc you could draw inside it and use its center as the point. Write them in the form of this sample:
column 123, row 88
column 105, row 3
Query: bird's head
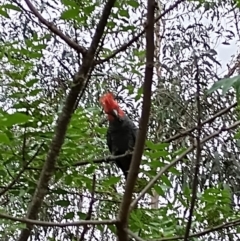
column 111, row 107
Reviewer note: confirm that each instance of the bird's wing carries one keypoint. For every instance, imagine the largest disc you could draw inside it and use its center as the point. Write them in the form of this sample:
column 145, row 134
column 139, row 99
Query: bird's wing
column 133, row 135
column 109, row 141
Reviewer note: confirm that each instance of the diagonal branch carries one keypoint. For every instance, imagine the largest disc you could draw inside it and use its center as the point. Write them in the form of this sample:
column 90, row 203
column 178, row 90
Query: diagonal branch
column 55, row 30
column 211, row 119
column 132, row 234
column 179, row 158
column 14, row 181
column 63, row 121
column 135, row 39
column 229, row 224
column 141, row 136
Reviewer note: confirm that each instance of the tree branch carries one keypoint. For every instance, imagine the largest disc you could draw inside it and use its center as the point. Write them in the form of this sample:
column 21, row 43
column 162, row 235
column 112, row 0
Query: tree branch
column 190, row 149
column 206, row 231
column 133, row 235
column 211, row 119
column 52, row 224
column 63, row 121
column 135, row 39
column 55, row 30
column 15, row 180
column 175, row 137
column 101, row 160
column 90, row 209
column 198, row 151
column 141, row 136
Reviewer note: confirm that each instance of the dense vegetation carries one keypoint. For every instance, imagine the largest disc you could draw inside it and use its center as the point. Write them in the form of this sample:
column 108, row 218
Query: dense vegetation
column 57, row 180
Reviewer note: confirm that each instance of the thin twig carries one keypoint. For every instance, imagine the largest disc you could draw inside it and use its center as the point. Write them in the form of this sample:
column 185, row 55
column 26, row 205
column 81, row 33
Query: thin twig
column 15, row 180
column 206, row 231
column 65, row 67
column 136, row 237
column 55, row 30
column 210, row 120
column 141, row 136
column 198, row 152
column 90, row 209
column 101, row 160
column 52, row 224
column 135, row 39
column 24, row 144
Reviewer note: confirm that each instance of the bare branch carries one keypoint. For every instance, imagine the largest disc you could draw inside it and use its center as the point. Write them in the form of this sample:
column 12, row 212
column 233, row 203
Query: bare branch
column 55, row 30
column 198, row 151
column 90, row 209
column 210, row 120
column 51, row 224
column 135, row 39
column 190, row 149
column 137, row 238
column 63, row 121
column 101, row 160
column 141, row 136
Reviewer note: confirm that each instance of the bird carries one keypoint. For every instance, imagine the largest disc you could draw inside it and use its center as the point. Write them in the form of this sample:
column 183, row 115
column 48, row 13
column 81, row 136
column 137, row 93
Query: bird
column 121, row 133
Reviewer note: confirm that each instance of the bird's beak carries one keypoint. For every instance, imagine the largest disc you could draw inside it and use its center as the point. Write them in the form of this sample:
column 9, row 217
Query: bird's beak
column 115, row 113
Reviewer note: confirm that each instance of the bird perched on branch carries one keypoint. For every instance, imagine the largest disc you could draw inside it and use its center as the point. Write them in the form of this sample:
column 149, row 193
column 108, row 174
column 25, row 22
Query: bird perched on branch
column 121, row 133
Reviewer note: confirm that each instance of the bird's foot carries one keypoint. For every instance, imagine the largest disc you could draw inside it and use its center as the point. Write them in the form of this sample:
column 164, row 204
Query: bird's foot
column 128, row 152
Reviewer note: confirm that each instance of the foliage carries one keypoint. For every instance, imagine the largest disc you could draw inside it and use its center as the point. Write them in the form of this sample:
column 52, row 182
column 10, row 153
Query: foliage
column 37, row 69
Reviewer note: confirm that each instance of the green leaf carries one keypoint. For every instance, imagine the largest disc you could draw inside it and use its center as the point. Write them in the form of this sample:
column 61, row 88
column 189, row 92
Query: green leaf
column 35, row 92
column 159, row 190
column 158, row 154
column 111, row 181
column 4, row 138
column 157, row 146
column 17, row 118
column 123, row 13
column 90, row 169
column 34, row 55
column 70, row 13
column 154, row 163
column 133, row 3
column 69, row 215
column 69, row 3
column 225, row 84
column 111, row 25
column 63, row 203
column 39, row 46
column 89, row 9
column 174, row 171
column 81, row 215
column 166, row 181
column 68, row 179
column 4, row 13
column 3, row 173
column 101, row 130
column 59, row 191
column 12, row 7
column 18, row 95
column 31, row 82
